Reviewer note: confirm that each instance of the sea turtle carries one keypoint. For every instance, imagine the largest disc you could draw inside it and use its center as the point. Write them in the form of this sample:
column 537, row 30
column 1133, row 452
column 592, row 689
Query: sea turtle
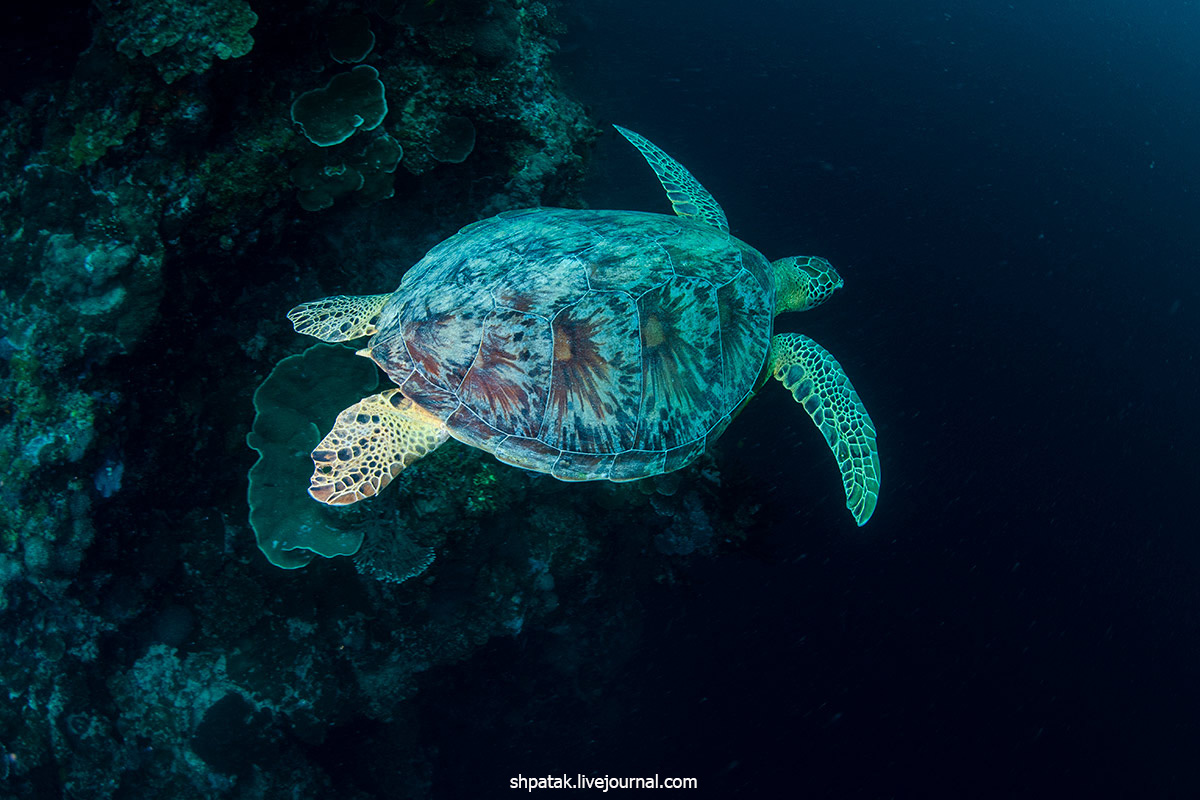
column 586, row 344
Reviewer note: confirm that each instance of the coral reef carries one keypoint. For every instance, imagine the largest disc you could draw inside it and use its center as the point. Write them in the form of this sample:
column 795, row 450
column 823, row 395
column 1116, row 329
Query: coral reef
column 180, row 38
column 159, row 213
column 457, row 72
column 453, row 141
column 366, row 171
column 353, row 101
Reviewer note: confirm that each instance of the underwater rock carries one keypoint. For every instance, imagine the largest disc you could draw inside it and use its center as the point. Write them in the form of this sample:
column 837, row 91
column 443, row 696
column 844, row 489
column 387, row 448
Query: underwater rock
column 498, row 35
column 393, row 558
column 180, row 38
column 690, row 529
column 234, row 736
column 96, row 132
column 320, row 186
column 173, row 625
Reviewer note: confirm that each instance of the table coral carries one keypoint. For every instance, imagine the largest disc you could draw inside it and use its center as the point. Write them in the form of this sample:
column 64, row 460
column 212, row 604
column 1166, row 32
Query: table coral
column 350, row 102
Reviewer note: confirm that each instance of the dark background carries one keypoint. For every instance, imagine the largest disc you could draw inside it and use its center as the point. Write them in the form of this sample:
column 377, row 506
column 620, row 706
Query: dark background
column 1007, row 190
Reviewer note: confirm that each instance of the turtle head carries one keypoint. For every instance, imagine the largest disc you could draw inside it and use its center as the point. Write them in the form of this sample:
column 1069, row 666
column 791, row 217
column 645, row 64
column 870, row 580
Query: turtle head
column 802, row 282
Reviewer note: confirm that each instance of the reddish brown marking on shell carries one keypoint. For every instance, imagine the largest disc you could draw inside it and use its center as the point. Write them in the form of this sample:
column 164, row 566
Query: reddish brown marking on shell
column 392, row 356
column 681, row 358
column 595, row 377
column 435, row 400
column 495, row 356
column 507, row 383
column 431, row 342
column 422, row 345
column 467, row 425
column 578, row 365
column 514, row 300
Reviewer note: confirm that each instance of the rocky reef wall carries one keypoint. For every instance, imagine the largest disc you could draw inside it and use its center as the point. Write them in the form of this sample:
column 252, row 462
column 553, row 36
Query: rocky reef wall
column 169, row 192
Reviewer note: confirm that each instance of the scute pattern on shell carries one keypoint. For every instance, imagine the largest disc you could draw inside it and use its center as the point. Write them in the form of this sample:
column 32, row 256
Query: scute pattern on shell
column 681, row 351
column 597, row 375
column 510, row 380
column 585, row 344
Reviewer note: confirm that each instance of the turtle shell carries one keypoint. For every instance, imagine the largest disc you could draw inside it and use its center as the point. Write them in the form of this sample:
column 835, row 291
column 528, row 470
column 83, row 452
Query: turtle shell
column 584, row 344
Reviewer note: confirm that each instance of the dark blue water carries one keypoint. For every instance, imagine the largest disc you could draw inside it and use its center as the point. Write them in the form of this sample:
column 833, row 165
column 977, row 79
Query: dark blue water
column 1008, row 192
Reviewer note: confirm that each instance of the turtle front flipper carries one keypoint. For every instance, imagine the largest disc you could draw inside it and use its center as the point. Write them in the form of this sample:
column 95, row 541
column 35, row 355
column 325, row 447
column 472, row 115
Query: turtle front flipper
column 819, row 383
column 371, row 442
column 687, row 196
column 339, row 318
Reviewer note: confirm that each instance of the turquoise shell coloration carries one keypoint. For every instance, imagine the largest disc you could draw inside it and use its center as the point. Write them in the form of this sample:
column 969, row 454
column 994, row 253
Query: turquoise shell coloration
column 584, row 344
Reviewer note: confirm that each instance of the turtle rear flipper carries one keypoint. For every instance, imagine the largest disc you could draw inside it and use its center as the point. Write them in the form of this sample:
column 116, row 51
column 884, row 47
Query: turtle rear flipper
column 371, row 442
column 339, row 318
column 819, row 383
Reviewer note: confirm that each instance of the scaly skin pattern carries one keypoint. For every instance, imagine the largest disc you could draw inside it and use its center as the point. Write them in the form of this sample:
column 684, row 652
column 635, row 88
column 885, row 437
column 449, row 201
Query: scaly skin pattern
column 687, row 196
column 803, row 282
column 340, row 318
column 818, row 382
column 371, row 442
